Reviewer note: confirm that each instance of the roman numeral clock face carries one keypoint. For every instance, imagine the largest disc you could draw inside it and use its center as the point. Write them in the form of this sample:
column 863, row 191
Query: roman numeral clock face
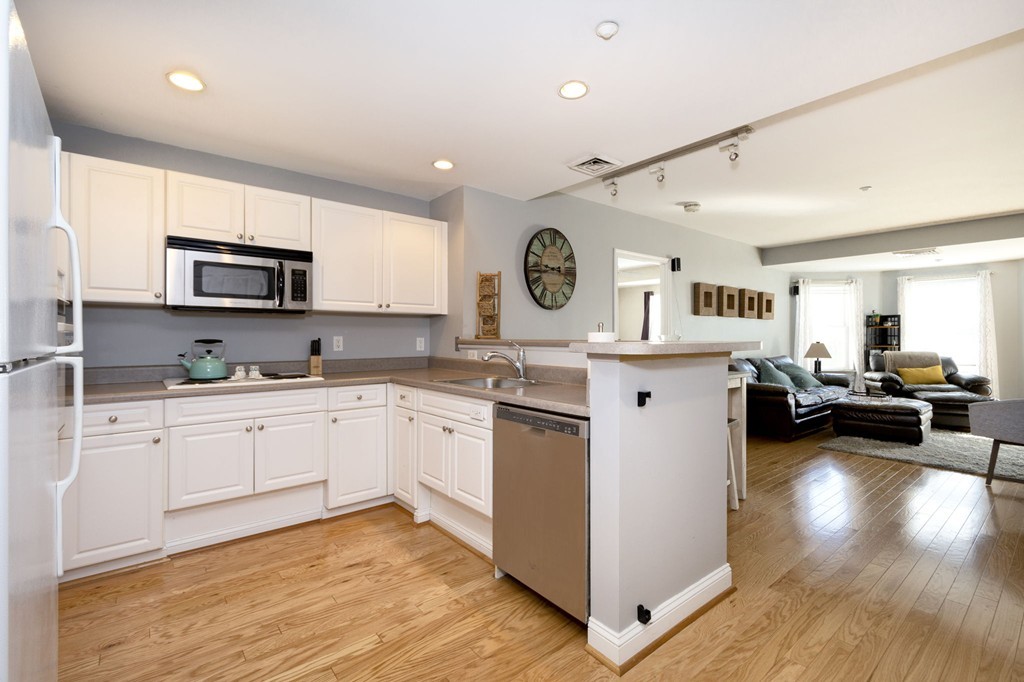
column 550, row 268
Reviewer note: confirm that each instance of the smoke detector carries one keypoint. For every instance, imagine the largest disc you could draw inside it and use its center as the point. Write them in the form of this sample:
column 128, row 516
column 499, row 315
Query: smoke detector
column 689, row 206
column 594, row 165
column 912, row 253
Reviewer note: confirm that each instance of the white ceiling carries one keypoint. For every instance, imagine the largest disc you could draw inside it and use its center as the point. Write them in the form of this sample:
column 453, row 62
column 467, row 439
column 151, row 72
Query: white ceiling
column 372, row 92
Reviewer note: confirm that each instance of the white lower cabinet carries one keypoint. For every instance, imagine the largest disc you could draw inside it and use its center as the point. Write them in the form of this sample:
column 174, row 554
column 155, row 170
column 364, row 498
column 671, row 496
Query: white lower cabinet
column 455, row 456
column 404, row 445
column 226, row 447
column 114, row 509
column 357, row 445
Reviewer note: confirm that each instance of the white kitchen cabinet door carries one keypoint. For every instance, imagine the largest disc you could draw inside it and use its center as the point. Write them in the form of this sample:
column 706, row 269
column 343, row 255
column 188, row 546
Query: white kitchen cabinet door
column 290, row 451
column 205, row 208
column 117, row 210
column 358, row 462
column 277, row 219
column 115, row 508
column 415, row 264
column 432, row 437
column 209, row 463
column 403, row 447
column 347, row 242
column 471, row 457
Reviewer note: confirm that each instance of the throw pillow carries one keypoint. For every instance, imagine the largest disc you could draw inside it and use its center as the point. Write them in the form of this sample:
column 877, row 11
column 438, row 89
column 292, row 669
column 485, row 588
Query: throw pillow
column 922, row 375
column 800, row 376
column 768, row 374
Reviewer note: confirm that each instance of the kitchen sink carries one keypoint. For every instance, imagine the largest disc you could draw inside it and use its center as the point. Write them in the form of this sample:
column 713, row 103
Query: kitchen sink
column 489, row 382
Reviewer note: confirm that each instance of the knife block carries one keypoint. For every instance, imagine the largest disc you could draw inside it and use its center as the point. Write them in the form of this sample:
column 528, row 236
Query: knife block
column 316, row 365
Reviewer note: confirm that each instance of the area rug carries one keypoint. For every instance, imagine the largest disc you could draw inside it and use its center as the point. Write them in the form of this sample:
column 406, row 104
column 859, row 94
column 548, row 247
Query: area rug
column 943, row 450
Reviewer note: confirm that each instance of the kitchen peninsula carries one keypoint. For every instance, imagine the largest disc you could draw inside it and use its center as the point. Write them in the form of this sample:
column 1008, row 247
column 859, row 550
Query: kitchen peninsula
column 657, row 490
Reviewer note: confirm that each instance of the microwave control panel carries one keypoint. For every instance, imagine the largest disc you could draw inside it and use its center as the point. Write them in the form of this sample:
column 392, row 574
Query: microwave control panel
column 299, row 285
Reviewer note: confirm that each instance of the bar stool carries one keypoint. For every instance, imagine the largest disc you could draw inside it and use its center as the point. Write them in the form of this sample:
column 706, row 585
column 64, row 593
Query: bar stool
column 734, row 499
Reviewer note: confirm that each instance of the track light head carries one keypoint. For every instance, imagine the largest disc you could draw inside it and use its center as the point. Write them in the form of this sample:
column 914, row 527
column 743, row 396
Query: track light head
column 612, row 186
column 734, row 154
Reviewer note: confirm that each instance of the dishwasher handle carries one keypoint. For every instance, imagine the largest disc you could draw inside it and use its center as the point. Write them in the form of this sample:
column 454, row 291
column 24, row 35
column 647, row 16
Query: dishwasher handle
column 568, row 426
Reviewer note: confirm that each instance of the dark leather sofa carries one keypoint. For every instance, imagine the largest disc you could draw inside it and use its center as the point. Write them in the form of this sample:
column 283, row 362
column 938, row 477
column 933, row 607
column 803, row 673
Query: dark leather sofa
column 949, row 401
column 785, row 412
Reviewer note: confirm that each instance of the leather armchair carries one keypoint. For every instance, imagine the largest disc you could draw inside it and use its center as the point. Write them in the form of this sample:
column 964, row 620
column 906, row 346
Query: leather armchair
column 786, row 412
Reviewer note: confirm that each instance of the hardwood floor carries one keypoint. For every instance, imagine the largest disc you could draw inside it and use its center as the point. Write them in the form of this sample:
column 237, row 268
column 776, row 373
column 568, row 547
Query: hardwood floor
column 847, row 568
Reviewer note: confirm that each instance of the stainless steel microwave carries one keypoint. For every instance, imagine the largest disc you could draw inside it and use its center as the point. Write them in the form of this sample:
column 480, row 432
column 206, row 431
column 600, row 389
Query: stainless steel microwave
column 206, row 275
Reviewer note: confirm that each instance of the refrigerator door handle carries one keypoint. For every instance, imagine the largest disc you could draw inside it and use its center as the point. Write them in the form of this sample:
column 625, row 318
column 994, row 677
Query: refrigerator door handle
column 60, row 223
column 77, row 364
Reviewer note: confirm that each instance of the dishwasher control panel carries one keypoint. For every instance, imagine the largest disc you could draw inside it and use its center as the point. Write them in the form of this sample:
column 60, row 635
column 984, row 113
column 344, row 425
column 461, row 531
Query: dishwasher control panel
column 539, row 420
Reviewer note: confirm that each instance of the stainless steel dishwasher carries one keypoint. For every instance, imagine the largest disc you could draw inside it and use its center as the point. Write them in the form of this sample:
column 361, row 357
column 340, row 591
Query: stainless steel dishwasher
column 541, row 504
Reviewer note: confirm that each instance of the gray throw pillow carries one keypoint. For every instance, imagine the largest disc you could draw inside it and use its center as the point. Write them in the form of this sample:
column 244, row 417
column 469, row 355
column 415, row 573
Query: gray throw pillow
column 768, row 374
column 800, row 376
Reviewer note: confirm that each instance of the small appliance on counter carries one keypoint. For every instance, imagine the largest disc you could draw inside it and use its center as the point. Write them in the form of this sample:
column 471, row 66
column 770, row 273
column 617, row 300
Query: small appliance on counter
column 207, row 362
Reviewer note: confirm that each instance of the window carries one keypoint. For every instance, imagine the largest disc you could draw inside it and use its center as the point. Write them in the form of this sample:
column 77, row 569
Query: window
column 944, row 316
column 832, row 320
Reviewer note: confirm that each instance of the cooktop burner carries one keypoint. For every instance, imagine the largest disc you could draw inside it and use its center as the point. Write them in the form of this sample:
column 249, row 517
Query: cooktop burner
column 185, row 382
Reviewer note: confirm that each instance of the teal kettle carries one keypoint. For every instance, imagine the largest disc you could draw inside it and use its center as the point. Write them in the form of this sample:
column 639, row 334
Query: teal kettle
column 207, row 361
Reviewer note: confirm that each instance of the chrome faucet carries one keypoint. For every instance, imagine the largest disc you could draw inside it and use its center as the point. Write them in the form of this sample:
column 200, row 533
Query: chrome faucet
column 519, row 365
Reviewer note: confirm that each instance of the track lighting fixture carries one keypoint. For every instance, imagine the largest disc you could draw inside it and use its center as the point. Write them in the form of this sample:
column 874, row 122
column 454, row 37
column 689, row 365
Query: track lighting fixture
column 732, row 146
column 612, row 186
column 658, row 171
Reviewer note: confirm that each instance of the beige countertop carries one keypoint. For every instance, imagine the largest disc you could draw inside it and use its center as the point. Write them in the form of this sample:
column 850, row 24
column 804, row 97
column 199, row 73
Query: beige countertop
column 564, row 398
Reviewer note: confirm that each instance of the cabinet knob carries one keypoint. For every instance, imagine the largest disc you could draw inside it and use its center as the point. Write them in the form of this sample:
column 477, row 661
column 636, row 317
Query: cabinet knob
column 112, row 419
column 239, row 235
column 158, row 295
column 379, row 305
column 334, row 420
column 260, row 427
column 401, row 396
column 248, row 429
column 410, row 419
column 359, row 397
column 156, row 439
column 388, row 305
column 251, row 237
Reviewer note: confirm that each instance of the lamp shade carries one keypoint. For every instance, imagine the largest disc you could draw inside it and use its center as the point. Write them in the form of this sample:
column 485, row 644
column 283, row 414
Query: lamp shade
column 817, row 350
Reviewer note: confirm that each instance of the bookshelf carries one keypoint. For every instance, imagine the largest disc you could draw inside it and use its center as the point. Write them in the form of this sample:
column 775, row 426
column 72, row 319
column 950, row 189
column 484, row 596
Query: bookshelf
column 881, row 333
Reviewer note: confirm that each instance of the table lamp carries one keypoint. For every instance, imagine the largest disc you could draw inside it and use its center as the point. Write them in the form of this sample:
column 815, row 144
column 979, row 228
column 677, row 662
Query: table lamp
column 817, row 351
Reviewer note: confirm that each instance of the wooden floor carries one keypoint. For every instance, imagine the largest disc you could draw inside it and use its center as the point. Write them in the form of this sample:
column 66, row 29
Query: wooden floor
column 847, row 568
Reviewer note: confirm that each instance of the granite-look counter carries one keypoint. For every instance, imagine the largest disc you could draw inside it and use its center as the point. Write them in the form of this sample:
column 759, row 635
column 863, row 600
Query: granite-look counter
column 564, row 398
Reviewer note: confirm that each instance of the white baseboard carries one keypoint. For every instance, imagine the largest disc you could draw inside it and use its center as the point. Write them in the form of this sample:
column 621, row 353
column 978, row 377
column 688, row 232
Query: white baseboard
column 358, row 506
column 223, row 535
column 620, row 647
column 474, row 540
column 112, row 565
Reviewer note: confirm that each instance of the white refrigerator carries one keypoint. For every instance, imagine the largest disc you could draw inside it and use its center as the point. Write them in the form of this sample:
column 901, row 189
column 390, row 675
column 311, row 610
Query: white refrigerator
column 31, row 366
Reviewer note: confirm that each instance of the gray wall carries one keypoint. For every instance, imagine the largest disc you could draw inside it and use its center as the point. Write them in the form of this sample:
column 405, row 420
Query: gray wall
column 494, row 232
column 123, row 336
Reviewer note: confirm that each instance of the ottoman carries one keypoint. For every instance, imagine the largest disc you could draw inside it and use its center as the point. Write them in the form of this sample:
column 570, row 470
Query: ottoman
column 895, row 419
column 950, row 408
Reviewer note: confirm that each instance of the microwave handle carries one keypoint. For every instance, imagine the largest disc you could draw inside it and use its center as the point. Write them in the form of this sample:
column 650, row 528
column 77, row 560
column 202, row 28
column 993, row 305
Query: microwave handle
column 280, row 284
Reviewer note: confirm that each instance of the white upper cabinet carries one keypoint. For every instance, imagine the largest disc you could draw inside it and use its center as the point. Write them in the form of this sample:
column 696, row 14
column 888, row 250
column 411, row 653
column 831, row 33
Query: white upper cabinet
column 218, row 210
column 117, row 210
column 277, row 219
column 366, row 260
column 347, row 243
column 204, row 208
column 415, row 264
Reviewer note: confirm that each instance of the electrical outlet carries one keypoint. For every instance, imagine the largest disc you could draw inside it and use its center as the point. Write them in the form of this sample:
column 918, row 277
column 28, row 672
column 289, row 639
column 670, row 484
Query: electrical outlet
column 339, row 343
column 420, row 343
column 471, row 354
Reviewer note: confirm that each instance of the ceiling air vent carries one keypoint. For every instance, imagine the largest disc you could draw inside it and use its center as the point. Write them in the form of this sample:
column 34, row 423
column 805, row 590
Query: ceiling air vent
column 594, row 165
column 911, row 253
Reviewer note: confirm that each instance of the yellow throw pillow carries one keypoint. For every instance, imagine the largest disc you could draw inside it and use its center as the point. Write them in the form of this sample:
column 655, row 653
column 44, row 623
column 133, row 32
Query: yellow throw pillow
column 922, row 375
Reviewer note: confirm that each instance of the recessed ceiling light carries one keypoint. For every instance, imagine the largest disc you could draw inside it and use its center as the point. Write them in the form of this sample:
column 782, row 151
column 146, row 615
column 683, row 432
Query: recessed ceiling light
column 573, row 89
column 443, row 164
column 186, row 80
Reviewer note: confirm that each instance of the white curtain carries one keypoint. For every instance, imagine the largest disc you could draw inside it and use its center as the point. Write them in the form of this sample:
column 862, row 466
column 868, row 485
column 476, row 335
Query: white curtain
column 856, row 323
column 802, row 333
column 989, row 365
column 902, row 296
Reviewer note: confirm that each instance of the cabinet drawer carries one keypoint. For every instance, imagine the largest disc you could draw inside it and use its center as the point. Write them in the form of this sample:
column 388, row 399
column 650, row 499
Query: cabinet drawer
column 465, row 410
column 216, row 408
column 405, row 397
column 354, row 397
column 110, row 418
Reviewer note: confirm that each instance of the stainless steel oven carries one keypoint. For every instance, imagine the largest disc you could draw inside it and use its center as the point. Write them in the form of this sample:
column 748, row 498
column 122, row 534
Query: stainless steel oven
column 206, row 275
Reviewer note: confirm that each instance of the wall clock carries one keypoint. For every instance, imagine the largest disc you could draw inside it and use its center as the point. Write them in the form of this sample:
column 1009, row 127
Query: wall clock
column 550, row 268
